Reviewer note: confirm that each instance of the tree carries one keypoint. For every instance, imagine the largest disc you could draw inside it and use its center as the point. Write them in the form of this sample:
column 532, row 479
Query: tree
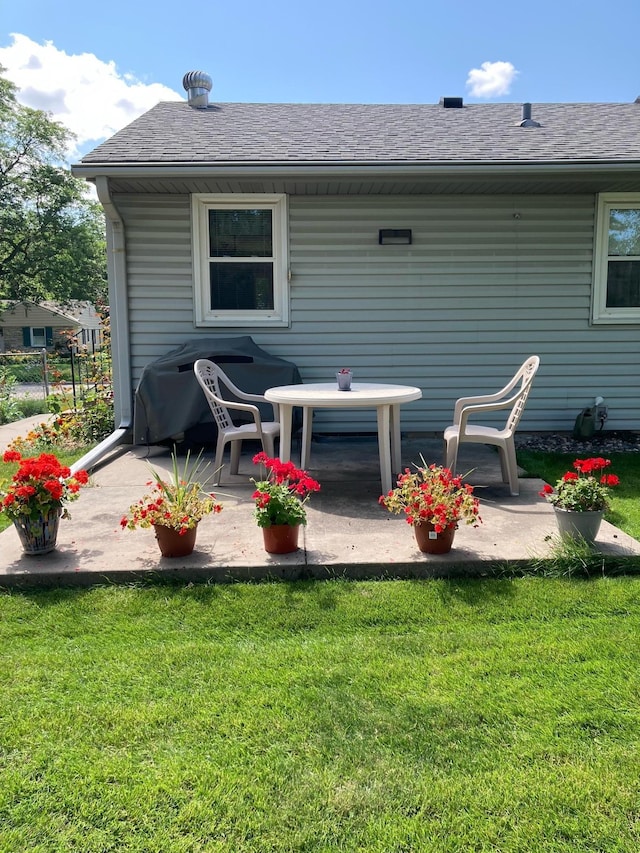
column 52, row 243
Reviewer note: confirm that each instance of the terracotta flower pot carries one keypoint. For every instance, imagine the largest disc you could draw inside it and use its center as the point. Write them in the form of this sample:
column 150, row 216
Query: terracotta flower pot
column 430, row 542
column 172, row 544
column 281, row 538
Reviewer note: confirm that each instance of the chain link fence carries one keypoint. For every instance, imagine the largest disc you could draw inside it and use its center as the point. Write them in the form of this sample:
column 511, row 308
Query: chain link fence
column 76, row 373
column 25, row 374
column 25, row 367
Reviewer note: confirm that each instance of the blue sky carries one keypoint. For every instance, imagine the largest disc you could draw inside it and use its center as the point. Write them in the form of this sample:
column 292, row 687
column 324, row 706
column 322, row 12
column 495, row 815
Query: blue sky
column 96, row 70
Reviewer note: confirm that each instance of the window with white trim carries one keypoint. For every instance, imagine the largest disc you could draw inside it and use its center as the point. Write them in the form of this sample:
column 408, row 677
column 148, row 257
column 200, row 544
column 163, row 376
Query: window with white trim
column 616, row 268
column 38, row 336
column 240, row 260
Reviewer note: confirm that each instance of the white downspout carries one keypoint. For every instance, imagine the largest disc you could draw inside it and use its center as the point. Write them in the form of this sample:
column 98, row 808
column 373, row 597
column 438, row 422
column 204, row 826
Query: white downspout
column 119, row 315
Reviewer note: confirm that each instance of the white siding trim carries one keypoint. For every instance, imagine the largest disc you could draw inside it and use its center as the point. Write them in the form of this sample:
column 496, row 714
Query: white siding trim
column 600, row 312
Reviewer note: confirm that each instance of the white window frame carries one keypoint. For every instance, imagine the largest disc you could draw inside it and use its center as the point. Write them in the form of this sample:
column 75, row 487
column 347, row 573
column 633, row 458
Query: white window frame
column 201, row 203
column 38, row 343
column 600, row 313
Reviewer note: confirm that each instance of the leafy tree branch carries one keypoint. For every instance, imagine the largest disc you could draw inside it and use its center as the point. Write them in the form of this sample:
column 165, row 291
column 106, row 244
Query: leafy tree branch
column 52, row 243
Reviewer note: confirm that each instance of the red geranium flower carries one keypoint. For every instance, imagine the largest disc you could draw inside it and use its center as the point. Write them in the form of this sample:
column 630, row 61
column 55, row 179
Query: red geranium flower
column 582, row 491
column 281, row 496
column 39, row 486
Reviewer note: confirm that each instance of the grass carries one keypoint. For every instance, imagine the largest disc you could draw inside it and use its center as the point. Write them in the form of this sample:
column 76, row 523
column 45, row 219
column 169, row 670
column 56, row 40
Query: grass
column 383, row 717
column 17, row 408
column 625, row 506
column 30, row 406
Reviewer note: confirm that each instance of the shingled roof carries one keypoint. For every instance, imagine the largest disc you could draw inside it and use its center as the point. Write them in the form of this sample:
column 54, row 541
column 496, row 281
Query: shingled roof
column 296, row 134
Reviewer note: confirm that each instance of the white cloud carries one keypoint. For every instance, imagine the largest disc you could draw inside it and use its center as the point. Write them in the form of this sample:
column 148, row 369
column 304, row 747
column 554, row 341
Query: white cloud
column 491, row 79
column 87, row 95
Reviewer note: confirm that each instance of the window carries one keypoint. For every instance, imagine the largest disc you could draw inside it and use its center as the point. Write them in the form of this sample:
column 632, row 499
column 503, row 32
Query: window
column 240, row 260
column 616, row 269
column 38, row 336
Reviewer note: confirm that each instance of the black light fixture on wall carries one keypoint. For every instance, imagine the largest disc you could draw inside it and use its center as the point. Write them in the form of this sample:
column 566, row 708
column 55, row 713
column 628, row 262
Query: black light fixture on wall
column 394, row 236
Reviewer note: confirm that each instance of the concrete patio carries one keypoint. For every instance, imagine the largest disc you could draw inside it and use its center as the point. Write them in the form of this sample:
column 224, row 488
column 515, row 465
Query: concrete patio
column 348, row 533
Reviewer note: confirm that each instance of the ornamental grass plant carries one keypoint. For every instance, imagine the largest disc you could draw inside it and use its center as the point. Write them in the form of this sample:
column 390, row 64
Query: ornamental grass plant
column 178, row 503
column 281, row 495
column 433, row 495
column 40, row 486
column 585, row 489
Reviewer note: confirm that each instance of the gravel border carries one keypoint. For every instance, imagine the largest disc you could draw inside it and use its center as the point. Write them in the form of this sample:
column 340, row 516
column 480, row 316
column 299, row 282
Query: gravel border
column 600, row 443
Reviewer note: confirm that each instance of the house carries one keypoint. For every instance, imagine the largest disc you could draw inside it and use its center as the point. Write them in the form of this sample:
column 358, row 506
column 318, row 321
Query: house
column 27, row 326
column 435, row 245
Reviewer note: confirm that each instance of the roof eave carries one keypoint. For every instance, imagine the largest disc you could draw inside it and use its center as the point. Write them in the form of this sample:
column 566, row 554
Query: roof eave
column 340, row 168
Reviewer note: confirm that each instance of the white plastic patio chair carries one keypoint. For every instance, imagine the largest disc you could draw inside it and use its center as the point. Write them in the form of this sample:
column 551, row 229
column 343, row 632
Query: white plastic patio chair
column 210, row 376
column 512, row 397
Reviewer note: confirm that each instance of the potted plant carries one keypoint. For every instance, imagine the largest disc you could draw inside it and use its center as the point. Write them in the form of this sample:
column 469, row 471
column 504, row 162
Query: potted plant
column 174, row 508
column 435, row 502
column 344, row 379
column 581, row 497
column 280, row 499
column 36, row 496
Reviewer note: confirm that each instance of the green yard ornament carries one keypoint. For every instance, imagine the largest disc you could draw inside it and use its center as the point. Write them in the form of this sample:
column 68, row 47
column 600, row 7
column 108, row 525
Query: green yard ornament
column 585, row 424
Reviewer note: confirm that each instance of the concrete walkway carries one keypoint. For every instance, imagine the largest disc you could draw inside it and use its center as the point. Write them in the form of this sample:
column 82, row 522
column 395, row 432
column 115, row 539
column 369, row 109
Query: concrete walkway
column 348, row 533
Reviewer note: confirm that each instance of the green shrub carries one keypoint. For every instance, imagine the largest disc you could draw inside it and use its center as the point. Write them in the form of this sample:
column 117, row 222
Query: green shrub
column 9, row 405
column 93, row 421
column 30, row 406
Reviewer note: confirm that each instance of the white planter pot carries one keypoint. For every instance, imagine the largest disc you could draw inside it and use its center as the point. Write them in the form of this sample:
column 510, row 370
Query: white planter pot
column 579, row 525
column 344, row 381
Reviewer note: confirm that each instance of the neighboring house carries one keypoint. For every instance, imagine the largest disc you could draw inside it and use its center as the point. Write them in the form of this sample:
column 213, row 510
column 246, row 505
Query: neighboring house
column 27, row 326
column 435, row 245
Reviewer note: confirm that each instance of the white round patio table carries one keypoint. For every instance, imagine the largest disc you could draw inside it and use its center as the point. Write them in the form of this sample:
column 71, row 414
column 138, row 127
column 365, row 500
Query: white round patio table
column 385, row 399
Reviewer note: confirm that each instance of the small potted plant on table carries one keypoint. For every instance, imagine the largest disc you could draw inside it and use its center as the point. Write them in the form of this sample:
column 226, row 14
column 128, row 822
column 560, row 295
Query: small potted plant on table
column 174, row 508
column 280, row 499
column 344, row 379
column 581, row 497
column 434, row 502
column 36, row 496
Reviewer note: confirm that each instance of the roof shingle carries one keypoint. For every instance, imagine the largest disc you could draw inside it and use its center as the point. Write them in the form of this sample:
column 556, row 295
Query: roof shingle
column 174, row 132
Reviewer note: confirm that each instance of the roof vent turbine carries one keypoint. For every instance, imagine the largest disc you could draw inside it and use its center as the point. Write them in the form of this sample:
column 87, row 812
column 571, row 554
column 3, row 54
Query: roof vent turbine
column 527, row 121
column 198, row 85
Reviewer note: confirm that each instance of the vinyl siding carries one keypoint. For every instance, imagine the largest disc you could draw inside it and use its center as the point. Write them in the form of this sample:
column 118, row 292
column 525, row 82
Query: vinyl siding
column 487, row 281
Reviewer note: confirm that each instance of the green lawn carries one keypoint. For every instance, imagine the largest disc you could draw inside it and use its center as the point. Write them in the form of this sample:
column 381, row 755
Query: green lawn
column 386, row 717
